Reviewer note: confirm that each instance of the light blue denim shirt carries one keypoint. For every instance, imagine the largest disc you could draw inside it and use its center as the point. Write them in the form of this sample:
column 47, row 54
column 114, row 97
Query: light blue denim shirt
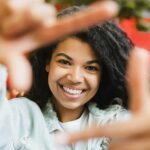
column 24, row 127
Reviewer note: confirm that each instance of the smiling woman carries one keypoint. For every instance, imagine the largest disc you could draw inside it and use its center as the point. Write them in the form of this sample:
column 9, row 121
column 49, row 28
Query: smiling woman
column 77, row 81
column 72, row 79
column 80, row 80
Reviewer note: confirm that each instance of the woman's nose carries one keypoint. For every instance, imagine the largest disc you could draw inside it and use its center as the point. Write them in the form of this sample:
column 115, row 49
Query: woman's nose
column 75, row 75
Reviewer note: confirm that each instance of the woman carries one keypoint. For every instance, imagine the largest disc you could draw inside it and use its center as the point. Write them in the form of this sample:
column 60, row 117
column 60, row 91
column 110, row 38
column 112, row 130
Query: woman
column 77, row 81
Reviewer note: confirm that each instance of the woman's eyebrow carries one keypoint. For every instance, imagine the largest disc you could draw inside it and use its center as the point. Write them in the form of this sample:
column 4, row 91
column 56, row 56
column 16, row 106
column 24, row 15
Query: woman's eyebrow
column 68, row 57
column 93, row 62
column 64, row 55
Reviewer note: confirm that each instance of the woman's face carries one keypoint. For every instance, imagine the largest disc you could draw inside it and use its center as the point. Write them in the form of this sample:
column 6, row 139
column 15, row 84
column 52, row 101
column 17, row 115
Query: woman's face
column 74, row 74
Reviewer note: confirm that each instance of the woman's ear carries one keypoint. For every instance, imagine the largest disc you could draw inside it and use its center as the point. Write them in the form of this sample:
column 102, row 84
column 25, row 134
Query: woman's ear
column 47, row 68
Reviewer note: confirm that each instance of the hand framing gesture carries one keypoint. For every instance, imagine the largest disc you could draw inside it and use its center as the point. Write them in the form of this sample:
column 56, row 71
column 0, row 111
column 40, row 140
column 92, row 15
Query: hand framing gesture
column 27, row 25
column 135, row 133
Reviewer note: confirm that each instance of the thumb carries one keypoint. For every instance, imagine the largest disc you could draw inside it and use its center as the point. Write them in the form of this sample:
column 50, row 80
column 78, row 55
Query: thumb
column 138, row 79
column 19, row 71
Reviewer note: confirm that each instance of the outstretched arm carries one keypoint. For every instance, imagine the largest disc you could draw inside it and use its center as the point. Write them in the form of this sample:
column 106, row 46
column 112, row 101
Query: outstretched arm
column 135, row 133
column 40, row 30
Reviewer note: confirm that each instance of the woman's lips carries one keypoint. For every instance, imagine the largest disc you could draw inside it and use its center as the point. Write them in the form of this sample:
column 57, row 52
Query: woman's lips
column 72, row 92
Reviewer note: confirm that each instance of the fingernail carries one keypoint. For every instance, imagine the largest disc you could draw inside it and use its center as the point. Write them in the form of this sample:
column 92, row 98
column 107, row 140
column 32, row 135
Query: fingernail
column 111, row 8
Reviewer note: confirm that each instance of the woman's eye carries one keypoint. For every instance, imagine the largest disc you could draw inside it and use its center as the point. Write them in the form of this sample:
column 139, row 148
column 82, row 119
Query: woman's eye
column 92, row 68
column 63, row 62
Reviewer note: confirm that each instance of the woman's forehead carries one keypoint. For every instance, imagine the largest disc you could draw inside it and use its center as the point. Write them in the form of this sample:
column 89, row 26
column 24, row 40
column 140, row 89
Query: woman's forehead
column 75, row 47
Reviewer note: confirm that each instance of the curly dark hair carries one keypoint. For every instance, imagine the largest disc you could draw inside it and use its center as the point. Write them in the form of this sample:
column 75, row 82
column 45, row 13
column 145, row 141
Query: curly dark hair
column 112, row 47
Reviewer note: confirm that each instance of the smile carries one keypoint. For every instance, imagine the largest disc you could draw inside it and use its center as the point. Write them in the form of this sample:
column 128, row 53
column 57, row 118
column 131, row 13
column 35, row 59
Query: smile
column 72, row 91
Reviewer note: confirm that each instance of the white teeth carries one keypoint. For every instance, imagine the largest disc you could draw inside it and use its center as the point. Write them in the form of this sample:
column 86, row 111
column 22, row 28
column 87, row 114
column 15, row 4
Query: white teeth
column 72, row 91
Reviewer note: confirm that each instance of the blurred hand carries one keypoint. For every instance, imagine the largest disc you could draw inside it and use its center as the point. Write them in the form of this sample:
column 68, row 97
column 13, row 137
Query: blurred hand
column 18, row 20
column 135, row 133
column 28, row 24
column 18, row 17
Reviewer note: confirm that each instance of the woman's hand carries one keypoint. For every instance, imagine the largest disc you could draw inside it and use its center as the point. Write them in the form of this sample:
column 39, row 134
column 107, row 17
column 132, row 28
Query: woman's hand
column 135, row 133
column 18, row 17
column 28, row 24
column 18, row 21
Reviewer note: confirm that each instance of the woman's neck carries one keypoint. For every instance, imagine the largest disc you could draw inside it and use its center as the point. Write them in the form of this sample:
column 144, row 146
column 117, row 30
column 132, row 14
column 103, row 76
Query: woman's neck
column 65, row 114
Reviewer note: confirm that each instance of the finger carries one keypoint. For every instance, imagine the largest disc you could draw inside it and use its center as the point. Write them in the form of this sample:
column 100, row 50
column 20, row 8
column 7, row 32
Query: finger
column 142, row 143
column 138, row 79
column 134, row 127
column 97, row 13
column 28, row 18
column 43, row 13
column 73, row 23
column 19, row 71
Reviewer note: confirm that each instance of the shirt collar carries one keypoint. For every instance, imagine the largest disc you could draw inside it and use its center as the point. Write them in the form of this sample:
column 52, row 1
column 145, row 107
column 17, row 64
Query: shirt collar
column 51, row 118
